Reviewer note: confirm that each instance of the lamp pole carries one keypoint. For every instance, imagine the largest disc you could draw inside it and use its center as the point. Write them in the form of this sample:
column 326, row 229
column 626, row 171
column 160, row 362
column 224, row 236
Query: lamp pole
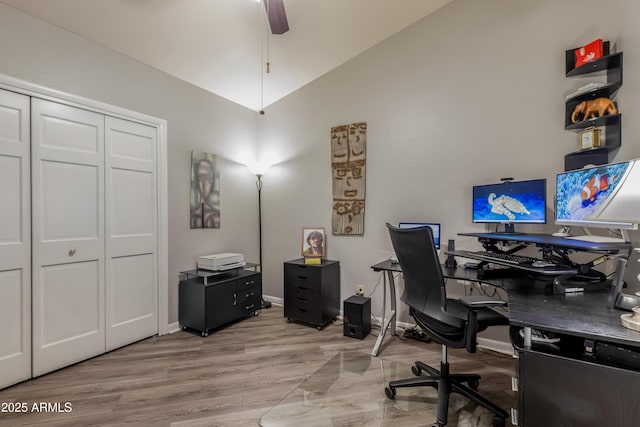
column 265, row 304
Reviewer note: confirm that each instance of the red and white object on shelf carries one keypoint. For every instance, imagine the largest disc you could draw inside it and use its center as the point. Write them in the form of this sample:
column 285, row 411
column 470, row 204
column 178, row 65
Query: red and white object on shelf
column 589, row 52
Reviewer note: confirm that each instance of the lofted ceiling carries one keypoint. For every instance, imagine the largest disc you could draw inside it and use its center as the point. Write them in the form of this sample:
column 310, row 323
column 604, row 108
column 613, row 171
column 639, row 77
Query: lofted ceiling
column 223, row 46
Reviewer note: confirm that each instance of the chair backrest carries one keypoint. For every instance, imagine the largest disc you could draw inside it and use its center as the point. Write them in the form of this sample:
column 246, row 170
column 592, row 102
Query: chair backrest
column 424, row 285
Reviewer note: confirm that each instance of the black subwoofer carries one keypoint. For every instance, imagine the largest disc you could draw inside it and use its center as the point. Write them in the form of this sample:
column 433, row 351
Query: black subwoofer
column 357, row 317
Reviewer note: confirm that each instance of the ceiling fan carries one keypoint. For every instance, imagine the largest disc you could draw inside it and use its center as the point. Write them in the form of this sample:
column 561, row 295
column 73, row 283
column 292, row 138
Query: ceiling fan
column 276, row 16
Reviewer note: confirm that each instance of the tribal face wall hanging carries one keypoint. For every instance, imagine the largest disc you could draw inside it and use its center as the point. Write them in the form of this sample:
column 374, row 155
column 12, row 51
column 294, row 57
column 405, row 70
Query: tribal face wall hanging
column 348, row 161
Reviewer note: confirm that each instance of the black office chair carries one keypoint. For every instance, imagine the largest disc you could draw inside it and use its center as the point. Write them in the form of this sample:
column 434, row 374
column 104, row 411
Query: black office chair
column 451, row 322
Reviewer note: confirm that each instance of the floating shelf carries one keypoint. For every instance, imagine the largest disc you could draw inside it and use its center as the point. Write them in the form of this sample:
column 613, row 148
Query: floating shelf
column 610, row 124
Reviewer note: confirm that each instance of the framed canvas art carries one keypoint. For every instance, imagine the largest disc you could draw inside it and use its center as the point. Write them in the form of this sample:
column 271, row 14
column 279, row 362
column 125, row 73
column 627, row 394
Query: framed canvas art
column 205, row 190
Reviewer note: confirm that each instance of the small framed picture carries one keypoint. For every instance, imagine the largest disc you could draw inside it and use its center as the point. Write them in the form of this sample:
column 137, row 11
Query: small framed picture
column 313, row 241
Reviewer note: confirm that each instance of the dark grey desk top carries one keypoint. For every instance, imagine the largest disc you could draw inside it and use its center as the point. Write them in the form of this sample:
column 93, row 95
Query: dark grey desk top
column 549, row 240
column 581, row 314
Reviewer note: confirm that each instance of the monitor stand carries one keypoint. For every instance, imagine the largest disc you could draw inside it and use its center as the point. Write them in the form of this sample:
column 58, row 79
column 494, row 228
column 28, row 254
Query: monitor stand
column 617, row 299
column 509, row 228
column 563, row 232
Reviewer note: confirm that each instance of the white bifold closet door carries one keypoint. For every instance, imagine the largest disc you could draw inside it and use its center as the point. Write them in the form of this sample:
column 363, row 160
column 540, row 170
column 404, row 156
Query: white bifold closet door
column 15, row 239
column 132, row 238
column 94, row 234
column 67, row 158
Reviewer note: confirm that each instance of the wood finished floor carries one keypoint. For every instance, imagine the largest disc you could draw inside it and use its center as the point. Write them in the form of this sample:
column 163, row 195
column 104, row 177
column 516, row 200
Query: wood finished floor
column 230, row 378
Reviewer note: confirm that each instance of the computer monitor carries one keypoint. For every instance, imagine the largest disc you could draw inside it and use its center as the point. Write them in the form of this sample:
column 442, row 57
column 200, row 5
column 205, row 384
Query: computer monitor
column 435, row 228
column 602, row 196
column 511, row 202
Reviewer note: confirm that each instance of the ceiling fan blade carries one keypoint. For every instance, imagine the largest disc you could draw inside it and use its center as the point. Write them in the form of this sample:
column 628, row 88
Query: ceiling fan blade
column 276, row 16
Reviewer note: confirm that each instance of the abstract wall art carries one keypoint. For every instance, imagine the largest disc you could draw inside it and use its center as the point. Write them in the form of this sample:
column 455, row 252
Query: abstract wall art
column 205, row 190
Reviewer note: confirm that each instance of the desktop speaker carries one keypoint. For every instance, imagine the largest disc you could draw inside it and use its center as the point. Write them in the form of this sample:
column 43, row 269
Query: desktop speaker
column 357, row 317
column 451, row 260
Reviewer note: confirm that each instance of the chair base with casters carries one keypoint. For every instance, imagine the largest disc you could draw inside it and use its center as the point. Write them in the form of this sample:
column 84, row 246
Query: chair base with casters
column 446, row 384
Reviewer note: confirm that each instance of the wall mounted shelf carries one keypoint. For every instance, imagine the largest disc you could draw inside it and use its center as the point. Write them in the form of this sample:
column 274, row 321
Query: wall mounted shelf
column 611, row 124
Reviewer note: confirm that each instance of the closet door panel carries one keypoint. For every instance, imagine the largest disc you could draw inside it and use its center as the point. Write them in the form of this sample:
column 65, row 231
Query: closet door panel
column 132, row 280
column 15, row 239
column 68, row 235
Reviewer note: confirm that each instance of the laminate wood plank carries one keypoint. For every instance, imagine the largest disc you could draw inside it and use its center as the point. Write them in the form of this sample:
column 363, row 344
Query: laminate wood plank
column 236, row 375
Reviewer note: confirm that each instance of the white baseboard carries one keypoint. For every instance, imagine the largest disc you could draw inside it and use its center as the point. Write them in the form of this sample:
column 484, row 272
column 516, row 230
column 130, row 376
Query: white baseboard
column 274, row 300
column 173, row 327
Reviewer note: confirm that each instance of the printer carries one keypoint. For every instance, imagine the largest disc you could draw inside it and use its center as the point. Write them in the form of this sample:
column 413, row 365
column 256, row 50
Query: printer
column 221, row 262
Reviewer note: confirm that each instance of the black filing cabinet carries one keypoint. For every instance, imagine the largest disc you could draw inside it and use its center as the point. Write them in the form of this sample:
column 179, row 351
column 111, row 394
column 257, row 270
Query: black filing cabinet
column 311, row 292
column 208, row 302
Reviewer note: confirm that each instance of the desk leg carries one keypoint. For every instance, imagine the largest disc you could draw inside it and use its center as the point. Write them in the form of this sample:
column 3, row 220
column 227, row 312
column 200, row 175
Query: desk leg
column 527, row 337
column 391, row 320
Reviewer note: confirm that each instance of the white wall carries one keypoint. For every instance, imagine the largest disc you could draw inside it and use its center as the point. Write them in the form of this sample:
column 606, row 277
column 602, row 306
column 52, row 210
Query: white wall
column 466, row 96
column 40, row 53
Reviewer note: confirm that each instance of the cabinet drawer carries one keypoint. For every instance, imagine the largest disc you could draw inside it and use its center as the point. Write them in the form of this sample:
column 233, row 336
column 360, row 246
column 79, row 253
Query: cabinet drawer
column 246, row 294
column 307, row 313
column 302, row 309
column 248, row 307
column 304, row 273
column 302, row 290
column 249, row 282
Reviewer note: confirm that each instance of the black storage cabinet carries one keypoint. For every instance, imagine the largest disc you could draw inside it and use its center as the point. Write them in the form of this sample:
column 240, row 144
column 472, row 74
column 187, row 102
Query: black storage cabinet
column 312, row 292
column 207, row 303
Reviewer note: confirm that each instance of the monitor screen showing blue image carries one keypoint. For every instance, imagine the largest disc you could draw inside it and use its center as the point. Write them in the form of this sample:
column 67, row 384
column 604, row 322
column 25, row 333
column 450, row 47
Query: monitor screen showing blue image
column 600, row 196
column 511, row 202
column 435, row 228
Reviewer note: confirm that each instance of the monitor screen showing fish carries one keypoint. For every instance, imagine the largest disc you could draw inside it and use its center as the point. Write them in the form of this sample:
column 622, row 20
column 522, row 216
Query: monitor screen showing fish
column 601, row 196
column 511, row 202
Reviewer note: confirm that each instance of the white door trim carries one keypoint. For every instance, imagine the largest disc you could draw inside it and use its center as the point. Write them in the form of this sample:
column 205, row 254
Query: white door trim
column 26, row 88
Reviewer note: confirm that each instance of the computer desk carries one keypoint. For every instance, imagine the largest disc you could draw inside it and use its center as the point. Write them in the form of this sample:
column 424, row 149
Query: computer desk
column 579, row 381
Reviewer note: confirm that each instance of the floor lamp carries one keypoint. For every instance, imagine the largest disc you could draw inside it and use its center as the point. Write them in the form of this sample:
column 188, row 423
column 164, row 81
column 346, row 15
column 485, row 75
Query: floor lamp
column 265, row 304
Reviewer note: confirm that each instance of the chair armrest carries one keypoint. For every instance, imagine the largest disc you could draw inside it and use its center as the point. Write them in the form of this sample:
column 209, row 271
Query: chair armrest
column 478, row 301
column 474, row 304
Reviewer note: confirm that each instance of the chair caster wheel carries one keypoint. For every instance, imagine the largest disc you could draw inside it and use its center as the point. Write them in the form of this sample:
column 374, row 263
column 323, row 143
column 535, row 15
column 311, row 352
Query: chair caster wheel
column 474, row 384
column 390, row 392
column 498, row 421
column 416, row 371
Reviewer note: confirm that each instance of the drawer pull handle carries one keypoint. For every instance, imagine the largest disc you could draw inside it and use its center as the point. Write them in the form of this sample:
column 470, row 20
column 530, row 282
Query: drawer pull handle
column 301, row 288
column 249, row 307
column 302, row 277
column 249, row 283
column 302, row 299
column 250, row 294
column 72, row 252
column 235, row 299
column 301, row 309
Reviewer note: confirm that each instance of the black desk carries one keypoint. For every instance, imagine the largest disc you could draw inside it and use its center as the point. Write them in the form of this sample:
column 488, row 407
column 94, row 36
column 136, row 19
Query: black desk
column 557, row 386
column 547, row 240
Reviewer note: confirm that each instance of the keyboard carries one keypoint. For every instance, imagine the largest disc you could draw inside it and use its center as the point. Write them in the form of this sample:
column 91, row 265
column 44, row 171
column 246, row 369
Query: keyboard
column 509, row 258
column 520, row 262
column 541, row 336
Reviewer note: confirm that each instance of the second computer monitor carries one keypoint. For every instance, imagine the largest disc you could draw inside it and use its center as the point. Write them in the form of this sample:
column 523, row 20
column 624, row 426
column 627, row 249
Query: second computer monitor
column 435, row 228
column 512, row 202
